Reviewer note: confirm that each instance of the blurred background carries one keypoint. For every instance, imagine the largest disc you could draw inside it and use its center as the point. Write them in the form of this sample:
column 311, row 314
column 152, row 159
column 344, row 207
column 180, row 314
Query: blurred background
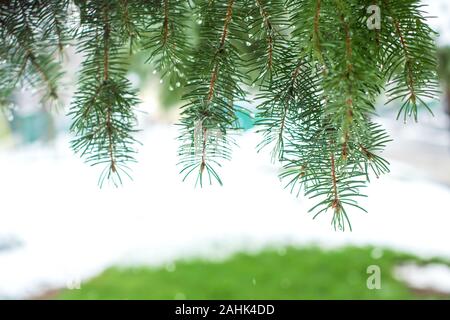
column 61, row 236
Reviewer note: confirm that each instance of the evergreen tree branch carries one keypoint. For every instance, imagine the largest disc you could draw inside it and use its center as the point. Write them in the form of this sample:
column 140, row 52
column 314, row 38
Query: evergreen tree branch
column 168, row 42
column 104, row 121
column 209, row 113
column 318, row 69
column 32, row 63
column 409, row 60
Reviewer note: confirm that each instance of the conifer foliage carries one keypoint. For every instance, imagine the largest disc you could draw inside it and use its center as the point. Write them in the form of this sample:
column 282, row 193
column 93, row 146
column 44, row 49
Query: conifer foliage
column 317, row 67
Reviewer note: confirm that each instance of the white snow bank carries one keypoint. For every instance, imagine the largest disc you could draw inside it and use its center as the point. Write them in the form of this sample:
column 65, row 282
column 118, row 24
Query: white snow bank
column 433, row 276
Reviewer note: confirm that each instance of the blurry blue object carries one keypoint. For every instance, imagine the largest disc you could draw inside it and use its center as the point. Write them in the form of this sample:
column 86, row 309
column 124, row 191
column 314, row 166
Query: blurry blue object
column 245, row 120
column 33, row 127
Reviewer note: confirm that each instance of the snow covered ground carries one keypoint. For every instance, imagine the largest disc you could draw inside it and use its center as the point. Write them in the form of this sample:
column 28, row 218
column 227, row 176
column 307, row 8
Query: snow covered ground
column 70, row 229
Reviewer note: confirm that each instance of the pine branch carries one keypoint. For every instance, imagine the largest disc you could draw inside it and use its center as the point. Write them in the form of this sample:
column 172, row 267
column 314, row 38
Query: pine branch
column 409, row 60
column 317, row 67
column 54, row 21
column 209, row 113
column 104, row 121
column 267, row 38
column 31, row 62
column 168, row 42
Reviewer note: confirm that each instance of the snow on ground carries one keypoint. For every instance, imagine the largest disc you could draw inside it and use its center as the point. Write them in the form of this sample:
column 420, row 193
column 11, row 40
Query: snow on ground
column 433, row 276
column 70, row 229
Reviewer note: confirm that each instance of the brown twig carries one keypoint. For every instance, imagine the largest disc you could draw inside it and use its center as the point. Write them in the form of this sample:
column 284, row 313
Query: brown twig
column 166, row 22
column 410, row 81
column 336, row 202
column 316, row 34
column 295, row 75
column 268, row 25
column 106, row 44
column 349, row 101
column 214, row 76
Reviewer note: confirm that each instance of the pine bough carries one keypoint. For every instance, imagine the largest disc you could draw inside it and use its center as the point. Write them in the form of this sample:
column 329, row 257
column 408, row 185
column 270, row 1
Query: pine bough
column 318, row 65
